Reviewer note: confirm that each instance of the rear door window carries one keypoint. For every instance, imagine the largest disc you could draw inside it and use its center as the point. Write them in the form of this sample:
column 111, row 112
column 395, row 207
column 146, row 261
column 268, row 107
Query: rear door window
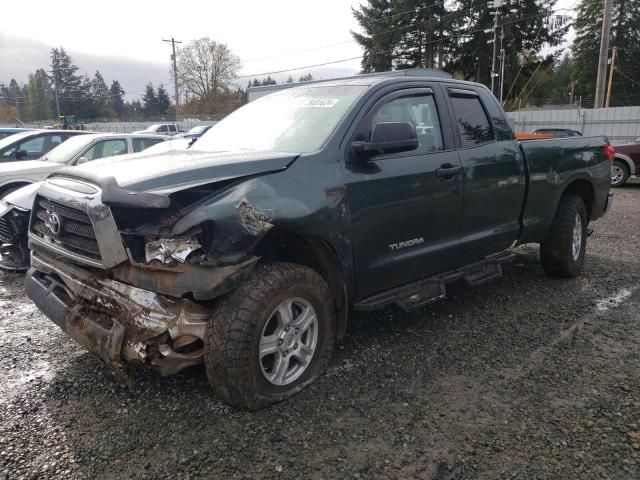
column 106, row 148
column 140, row 144
column 473, row 122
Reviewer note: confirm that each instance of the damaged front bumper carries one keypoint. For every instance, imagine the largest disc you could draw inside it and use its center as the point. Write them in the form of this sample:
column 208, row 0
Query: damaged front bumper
column 117, row 322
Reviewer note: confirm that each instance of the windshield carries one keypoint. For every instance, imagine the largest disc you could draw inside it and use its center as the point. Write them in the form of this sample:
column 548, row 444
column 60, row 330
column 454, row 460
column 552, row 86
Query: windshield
column 296, row 120
column 67, row 150
column 199, row 129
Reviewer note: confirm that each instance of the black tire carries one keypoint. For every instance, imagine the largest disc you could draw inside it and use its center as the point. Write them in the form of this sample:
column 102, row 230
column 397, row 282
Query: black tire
column 231, row 353
column 622, row 176
column 556, row 252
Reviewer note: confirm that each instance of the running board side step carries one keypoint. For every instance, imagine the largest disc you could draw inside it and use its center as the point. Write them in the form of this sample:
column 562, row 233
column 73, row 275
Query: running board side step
column 429, row 290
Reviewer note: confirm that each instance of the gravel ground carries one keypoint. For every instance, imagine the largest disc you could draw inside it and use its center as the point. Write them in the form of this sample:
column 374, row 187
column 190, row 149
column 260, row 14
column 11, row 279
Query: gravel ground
column 528, row 377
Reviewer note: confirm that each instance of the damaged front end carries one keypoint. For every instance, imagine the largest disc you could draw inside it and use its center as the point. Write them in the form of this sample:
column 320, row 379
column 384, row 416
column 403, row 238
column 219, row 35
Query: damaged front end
column 14, row 253
column 117, row 322
column 141, row 280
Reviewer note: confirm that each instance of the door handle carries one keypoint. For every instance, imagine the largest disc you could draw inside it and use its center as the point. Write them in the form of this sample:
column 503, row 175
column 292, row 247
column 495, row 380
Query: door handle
column 448, row 170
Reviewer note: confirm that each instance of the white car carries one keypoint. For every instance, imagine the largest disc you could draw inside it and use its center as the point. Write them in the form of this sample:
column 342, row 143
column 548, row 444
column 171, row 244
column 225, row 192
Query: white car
column 161, row 129
column 15, row 209
column 75, row 151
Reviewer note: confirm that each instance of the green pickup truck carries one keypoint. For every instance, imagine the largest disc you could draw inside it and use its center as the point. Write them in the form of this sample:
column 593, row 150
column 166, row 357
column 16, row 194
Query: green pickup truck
column 248, row 251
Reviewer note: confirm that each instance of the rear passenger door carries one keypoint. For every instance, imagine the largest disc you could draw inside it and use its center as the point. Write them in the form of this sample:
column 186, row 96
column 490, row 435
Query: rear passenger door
column 405, row 207
column 493, row 176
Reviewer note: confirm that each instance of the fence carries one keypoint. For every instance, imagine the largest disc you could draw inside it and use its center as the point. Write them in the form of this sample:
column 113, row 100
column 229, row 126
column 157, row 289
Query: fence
column 126, row 127
column 619, row 124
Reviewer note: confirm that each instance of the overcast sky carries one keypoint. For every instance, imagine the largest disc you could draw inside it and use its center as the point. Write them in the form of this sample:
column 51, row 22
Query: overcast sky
column 266, row 35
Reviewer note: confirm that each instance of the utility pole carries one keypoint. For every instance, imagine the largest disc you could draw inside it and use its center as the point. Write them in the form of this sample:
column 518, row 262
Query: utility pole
column 495, row 4
column 572, row 92
column 173, row 42
column 604, row 54
column 614, row 55
column 55, row 89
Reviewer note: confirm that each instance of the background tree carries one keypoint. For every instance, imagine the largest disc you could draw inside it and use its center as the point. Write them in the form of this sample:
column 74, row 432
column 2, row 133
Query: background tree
column 63, row 73
column 37, row 96
column 163, row 102
column 305, row 78
column 116, row 98
column 100, row 105
column 625, row 34
column 379, row 21
column 206, row 68
column 150, row 101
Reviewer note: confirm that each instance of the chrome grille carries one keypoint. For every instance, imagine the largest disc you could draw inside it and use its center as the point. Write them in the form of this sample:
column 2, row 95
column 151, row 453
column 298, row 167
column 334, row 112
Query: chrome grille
column 75, row 232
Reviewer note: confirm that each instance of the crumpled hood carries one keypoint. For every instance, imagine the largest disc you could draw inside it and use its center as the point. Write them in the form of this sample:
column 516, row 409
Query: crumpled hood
column 169, row 172
column 26, row 167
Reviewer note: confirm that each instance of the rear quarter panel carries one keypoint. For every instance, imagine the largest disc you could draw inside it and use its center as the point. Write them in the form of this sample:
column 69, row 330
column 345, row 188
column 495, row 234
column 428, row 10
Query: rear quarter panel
column 553, row 165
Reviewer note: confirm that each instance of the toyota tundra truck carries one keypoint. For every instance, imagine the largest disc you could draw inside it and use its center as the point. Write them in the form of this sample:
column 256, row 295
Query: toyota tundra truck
column 249, row 252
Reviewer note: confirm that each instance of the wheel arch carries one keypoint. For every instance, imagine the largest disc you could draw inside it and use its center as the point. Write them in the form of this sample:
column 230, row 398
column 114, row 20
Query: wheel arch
column 627, row 161
column 314, row 253
column 585, row 190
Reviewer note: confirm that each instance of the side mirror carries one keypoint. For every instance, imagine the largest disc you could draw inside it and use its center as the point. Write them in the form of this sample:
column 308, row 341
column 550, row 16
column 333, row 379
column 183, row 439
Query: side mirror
column 388, row 137
column 82, row 160
column 20, row 154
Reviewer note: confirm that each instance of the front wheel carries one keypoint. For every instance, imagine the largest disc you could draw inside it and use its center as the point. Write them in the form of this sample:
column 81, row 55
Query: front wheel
column 271, row 337
column 562, row 252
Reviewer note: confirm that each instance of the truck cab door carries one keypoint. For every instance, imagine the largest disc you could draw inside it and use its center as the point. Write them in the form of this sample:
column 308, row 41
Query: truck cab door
column 404, row 207
column 493, row 178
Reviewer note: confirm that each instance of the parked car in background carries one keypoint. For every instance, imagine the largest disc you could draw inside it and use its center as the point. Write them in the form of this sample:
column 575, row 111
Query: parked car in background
column 6, row 132
column 15, row 207
column 626, row 165
column 162, row 129
column 32, row 144
column 196, row 132
column 558, row 132
column 74, row 151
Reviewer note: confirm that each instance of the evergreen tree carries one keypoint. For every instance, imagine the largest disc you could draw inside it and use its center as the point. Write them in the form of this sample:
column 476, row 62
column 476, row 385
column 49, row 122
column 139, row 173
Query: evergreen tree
column 268, row 81
column 379, row 21
column 163, row 102
column 100, row 96
column 625, row 34
column 37, row 96
column 116, row 99
column 290, row 79
column 150, row 101
column 306, row 78
column 70, row 86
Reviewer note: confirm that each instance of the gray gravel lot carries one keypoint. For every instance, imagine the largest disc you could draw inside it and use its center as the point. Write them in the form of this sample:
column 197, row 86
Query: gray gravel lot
column 529, row 377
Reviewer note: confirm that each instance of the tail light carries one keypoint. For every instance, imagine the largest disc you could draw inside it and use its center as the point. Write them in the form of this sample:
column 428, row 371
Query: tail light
column 609, row 152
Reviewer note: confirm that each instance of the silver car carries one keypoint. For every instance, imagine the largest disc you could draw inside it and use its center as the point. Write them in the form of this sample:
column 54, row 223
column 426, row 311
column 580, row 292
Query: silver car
column 74, row 151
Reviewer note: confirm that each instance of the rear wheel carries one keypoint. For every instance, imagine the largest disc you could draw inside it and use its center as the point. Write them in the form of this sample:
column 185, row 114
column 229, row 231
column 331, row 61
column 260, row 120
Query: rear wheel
column 619, row 173
column 271, row 337
column 562, row 252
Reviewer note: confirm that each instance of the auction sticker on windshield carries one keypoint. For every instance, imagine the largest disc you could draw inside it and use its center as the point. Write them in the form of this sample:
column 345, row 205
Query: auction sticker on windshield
column 318, row 102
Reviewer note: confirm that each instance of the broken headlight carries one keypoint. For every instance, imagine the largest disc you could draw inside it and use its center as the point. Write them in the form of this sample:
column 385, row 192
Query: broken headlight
column 170, row 250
